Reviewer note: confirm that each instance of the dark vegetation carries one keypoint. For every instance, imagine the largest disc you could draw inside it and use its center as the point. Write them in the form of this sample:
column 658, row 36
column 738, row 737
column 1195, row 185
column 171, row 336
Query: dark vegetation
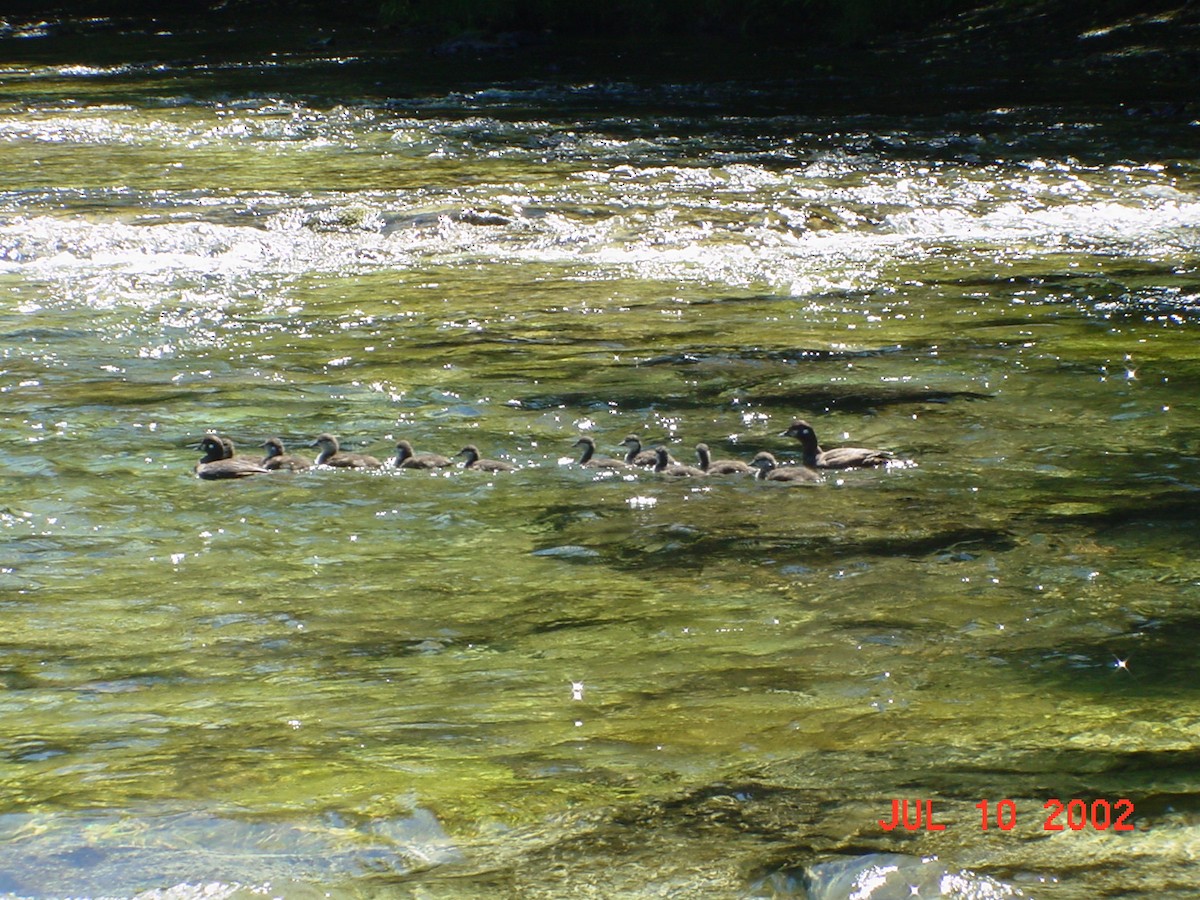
column 778, row 22
column 1127, row 51
column 787, row 21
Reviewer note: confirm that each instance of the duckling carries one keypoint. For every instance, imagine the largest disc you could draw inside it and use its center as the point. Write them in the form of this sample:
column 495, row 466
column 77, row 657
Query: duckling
column 837, row 458
column 589, row 460
column 721, row 466
column 231, row 451
column 769, row 470
column 277, row 459
column 471, row 452
column 406, row 459
column 331, row 455
column 219, row 462
column 636, row 456
column 664, row 466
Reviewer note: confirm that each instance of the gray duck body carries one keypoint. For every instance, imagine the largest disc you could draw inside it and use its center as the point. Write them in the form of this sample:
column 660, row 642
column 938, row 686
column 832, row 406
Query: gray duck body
column 220, row 462
column 838, row 457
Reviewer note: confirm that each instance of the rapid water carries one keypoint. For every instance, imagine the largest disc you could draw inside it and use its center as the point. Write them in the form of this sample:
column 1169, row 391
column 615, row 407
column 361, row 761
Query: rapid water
column 551, row 682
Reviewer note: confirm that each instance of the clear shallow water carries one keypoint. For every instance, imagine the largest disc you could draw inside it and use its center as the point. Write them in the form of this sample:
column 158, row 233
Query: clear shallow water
column 552, row 684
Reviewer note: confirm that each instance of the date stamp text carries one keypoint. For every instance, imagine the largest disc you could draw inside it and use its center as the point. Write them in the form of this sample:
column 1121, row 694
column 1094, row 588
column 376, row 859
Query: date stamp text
column 1056, row 815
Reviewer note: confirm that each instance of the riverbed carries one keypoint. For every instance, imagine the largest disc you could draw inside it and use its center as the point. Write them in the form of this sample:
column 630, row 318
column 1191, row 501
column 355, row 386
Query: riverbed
column 561, row 681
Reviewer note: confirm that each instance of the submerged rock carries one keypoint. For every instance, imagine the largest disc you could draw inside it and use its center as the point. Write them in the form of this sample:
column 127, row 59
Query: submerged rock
column 890, row 876
column 569, row 551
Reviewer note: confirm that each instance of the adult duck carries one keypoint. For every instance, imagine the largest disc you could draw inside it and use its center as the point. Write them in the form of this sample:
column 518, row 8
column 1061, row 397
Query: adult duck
column 838, row 457
column 219, row 461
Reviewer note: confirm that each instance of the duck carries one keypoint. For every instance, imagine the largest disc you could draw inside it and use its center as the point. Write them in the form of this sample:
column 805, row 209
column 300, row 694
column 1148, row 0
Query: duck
column 471, row 452
column 664, row 466
column 231, row 451
column 279, row 460
column 636, row 456
column 331, row 455
column 770, row 470
column 589, row 460
column 407, row 459
column 219, row 462
column 837, row 458
column 721, row 466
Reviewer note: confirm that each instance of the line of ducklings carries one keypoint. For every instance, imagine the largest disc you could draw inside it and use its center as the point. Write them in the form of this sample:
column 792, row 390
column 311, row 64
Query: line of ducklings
column 220, row 459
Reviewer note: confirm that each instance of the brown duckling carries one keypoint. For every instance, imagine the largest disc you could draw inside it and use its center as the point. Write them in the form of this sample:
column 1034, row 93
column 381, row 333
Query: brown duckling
column 407, row 459
column 279, row 460
column 664, row 466
column 636, row 456
column 837, row 458
column 721, row 466
column 589, row 460
column 231, row 451
column 332, row 455
column 770, row 470
column 471, row 452
column 219, row 462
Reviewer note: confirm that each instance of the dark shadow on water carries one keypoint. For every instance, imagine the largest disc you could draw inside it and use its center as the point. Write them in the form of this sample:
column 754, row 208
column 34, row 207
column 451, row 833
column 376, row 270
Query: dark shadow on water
column 807, row 397
column 855, row 397
column 1170, row 505
column 709, row 355
column 1155, row 659
column 689, row 549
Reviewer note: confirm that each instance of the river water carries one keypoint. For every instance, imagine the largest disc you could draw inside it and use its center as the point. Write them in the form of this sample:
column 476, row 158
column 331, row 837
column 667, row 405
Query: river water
column 553, row 683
